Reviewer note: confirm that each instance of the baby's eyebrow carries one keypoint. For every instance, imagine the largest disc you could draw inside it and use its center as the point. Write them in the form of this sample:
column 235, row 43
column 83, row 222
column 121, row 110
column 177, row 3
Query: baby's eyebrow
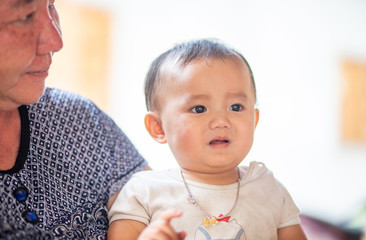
column 197, row 97
column 237, row 95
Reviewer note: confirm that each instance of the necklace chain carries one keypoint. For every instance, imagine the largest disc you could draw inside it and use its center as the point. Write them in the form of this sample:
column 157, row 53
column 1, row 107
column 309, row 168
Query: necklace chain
column 209, row 219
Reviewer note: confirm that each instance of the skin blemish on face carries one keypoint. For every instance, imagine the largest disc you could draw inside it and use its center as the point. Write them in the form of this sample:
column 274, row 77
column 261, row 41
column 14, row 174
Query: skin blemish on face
column 27, row 34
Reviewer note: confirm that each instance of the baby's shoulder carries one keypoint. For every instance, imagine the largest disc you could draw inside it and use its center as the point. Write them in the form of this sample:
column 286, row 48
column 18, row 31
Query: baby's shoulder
column 152, row 180
column 256, row 171
column 153, row 175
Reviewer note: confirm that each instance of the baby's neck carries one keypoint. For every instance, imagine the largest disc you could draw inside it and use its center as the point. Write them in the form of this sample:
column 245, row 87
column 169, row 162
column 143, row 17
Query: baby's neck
column 213, row 178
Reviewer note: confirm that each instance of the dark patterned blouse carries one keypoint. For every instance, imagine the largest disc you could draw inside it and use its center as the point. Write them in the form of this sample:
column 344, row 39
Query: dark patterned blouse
column 72, row 158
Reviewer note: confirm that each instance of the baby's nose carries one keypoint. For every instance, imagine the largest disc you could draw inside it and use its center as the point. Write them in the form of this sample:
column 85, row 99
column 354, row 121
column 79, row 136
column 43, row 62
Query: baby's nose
column 220, row 121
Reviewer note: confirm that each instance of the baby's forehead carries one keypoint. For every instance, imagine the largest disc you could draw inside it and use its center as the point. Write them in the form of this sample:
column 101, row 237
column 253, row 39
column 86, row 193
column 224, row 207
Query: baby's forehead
column 171, row 72
column 173, row 69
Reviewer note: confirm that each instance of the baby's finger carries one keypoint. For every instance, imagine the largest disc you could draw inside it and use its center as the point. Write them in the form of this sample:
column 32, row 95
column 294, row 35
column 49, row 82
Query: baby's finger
column 182, row 235
column 169, row 214
column 160, row 230
column 163, row 223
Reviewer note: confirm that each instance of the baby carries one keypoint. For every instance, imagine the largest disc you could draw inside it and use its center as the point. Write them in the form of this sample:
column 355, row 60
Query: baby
column 201, row 99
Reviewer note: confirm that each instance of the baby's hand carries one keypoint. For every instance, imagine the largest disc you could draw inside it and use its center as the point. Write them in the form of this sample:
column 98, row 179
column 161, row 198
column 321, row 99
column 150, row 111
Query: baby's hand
column 160, row 229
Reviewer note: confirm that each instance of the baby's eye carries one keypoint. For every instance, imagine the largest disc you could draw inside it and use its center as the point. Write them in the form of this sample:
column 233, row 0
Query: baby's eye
column 199, row 109
column 236, row 107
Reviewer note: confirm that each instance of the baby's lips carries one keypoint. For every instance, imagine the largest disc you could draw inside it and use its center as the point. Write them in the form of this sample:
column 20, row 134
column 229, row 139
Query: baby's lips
column 219, row 141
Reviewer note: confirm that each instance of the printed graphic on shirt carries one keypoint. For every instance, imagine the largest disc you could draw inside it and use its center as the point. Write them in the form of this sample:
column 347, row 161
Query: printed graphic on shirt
column 223, row 229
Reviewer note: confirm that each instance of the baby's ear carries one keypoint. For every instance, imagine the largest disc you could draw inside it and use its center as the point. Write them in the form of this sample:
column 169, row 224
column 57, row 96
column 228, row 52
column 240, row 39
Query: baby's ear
column 256, row 117
column 154, row 127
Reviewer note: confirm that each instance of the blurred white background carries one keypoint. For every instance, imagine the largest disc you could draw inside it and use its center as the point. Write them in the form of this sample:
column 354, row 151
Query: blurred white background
column 296, row 50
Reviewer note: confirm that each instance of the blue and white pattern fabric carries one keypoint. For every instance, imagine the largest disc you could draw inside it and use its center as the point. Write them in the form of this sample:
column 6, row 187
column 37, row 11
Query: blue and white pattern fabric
column 72, row 158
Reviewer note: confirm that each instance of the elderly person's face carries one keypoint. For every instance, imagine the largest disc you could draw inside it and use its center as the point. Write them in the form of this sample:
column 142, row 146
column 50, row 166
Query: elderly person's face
column 29, row 35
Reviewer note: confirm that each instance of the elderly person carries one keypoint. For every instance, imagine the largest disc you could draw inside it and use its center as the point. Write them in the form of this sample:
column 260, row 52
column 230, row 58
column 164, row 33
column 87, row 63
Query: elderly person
column 61, row 158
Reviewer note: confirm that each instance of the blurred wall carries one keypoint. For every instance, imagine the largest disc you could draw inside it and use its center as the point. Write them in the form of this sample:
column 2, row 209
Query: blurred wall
column 296, row 50
column 83, row 65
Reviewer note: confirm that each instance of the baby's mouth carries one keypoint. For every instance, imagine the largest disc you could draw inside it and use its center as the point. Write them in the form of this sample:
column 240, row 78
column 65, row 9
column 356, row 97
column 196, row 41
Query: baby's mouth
column 219, row 141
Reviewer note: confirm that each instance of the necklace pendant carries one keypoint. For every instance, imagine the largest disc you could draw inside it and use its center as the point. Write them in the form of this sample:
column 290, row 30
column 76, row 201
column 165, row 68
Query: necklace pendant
column 206, row 222
column 214, row 221
column 209, row 222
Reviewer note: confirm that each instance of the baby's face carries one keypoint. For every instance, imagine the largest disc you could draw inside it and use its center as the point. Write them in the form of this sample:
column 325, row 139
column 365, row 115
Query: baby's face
column 208, row 115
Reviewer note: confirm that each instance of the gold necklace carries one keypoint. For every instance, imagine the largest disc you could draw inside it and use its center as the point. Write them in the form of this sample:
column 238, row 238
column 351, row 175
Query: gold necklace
column 209, row 220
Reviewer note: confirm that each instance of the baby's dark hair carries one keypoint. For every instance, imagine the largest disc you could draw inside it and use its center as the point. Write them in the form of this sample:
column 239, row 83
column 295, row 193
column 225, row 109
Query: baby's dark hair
column 185, row 53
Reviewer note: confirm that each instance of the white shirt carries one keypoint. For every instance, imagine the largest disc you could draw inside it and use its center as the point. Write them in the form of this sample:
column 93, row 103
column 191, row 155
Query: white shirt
column 264, row 205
